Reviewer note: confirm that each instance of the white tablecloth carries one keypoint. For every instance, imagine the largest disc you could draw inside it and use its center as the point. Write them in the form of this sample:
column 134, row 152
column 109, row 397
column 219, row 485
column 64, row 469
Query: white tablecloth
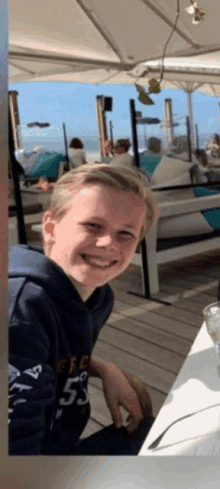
column 196, row 388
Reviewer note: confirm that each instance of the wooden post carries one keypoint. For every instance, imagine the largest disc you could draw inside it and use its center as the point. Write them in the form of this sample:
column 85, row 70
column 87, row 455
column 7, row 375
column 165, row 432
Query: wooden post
column 169, row 121
column 102, row 127
column 15, row 119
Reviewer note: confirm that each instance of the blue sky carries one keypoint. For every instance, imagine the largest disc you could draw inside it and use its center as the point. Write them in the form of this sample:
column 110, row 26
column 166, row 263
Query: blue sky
column 75, row 104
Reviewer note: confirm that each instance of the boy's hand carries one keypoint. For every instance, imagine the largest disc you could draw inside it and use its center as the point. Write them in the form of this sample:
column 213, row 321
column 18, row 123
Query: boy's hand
column 122, row 389
column 119, row 392
column 140, row 388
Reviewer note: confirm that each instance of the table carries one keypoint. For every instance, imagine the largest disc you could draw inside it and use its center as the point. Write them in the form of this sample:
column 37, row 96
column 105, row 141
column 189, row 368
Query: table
column 197, row 388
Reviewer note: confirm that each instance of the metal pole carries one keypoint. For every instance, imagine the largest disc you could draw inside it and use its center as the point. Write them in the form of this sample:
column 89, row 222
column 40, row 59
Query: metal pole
column 188, row 137
column 111, row 133
column 66, row 148
column 134, row 132
column 197, row 136
column 219, row 115
column 144, row 268
column 22, row 238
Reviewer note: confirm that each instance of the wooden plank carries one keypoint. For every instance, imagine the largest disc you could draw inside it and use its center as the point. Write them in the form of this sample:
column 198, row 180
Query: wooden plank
column 132, row 299
column 213, row 273
column 142, row 348
column 166, row 311
column 126, row 286
column 131, row 279
column 185, row 316
column 190, row 292
column 153, row 318
column 192, row 306
column 207, row 292
column 151, row 374
column 158, row 337
column 197, row 277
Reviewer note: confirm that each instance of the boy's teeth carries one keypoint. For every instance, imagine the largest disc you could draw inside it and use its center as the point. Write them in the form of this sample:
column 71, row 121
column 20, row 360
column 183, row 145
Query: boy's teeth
column 96, row 261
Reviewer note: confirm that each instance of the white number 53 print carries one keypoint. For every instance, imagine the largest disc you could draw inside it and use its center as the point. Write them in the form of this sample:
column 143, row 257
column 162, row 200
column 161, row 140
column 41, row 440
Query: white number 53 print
column 72, row 394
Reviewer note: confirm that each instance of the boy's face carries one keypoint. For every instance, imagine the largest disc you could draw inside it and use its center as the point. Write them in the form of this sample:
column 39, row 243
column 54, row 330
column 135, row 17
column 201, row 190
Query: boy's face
column 95, row 241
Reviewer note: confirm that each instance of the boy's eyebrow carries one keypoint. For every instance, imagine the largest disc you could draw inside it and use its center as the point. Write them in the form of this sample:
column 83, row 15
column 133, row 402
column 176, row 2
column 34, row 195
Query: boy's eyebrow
column 103, row 220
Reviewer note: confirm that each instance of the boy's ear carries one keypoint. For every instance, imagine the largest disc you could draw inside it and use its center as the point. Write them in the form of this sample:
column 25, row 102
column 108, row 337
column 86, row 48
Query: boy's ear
column 48, row 224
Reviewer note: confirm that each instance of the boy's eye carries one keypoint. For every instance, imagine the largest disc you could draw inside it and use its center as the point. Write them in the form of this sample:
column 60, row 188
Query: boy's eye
column 93, row 224
column 98, row 226
column 126, row 233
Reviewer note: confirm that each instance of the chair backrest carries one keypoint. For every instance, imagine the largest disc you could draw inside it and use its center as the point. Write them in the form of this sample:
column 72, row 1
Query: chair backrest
column 171, row 172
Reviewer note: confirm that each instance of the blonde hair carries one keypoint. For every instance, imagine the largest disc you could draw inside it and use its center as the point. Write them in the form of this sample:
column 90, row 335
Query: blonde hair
column 119, row 178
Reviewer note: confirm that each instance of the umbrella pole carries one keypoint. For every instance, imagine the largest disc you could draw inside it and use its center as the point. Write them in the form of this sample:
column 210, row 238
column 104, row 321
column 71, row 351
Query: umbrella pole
column 144, row 267
column 197, row 136
column 190, row 116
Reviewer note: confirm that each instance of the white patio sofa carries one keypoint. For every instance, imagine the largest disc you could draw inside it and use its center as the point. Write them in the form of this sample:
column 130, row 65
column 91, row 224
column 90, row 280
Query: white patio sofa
column 161, row 251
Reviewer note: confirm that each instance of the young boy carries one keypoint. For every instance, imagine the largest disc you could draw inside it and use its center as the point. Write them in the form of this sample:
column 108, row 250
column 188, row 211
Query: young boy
column 59, row 299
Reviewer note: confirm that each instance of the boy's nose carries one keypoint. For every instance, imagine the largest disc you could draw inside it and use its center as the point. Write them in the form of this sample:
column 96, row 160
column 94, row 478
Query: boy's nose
column 107, row 241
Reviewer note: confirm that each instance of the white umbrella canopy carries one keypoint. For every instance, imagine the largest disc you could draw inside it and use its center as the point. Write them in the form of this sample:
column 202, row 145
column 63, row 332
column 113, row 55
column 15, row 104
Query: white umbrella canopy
column 192, row 74
column 91, row 40
column 196, row 73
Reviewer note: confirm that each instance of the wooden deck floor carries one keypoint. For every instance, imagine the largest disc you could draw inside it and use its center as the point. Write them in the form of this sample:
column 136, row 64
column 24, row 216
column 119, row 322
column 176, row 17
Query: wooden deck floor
column 148, row 338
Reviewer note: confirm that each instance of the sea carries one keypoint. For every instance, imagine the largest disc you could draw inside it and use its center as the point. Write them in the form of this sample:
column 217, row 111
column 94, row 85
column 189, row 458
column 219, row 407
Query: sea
column 91, row 146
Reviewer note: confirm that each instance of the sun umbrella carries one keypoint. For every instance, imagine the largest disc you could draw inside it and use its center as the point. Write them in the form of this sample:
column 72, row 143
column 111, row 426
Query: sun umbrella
column 100, row 38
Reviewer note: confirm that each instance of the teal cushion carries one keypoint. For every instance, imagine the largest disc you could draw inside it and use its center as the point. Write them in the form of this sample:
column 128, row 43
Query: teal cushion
column 212, row 216
column 47, row 165
column 149, row 163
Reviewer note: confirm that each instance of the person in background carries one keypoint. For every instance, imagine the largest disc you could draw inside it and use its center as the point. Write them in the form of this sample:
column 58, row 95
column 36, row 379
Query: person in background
column 213, row 147
column 76, row 153
column 121, row 156
column 151, row 157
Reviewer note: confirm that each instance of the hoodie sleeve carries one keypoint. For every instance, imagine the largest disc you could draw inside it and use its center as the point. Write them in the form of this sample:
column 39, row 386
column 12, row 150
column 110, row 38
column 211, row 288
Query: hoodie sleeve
column 31, row 379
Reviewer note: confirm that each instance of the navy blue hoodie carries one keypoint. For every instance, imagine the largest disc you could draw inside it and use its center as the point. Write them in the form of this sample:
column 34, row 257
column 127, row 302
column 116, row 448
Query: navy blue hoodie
column 52, row 333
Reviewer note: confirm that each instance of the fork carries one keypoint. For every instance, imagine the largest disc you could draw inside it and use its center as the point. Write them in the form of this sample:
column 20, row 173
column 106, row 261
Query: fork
column 159, row 438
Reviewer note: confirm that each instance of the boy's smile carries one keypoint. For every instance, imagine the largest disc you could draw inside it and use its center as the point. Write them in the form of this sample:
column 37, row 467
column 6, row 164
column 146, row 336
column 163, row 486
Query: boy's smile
column 95, row 241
